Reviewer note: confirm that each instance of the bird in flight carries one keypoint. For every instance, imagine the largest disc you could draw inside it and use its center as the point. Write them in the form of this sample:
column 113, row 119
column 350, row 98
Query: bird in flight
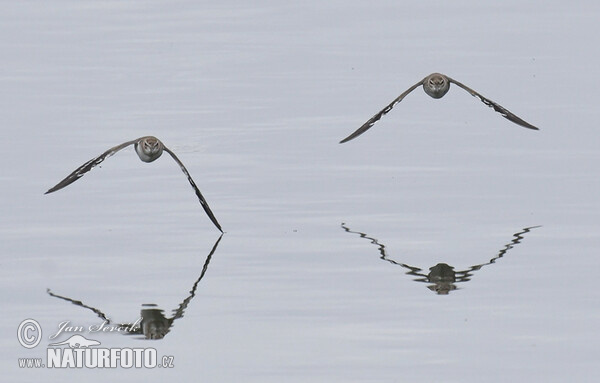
column 148, row 149
column 437, row 85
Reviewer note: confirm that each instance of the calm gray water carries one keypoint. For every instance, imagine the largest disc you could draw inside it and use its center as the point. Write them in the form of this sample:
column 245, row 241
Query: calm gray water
column 447, row 195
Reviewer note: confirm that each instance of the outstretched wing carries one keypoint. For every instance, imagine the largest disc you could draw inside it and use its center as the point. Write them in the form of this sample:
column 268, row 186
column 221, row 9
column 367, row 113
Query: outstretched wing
column 367, row 125
column 498, row 108
column 200, row 197
column 80, row 171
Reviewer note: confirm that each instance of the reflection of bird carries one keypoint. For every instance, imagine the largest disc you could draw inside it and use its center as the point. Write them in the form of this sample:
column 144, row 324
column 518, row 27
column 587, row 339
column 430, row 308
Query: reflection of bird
column 442, row 277
column 148, row 149
column 437, row 85
column 154, row 324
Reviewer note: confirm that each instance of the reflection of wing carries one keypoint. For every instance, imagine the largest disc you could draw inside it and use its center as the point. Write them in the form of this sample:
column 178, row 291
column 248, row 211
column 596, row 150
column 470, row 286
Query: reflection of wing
column 80, row 171
column 465, row 275
column 415, row 271
column 200, row 197
column 498, row 108
column 179, row 311
column 367, row 125
column 80, row 303
column 518, row 237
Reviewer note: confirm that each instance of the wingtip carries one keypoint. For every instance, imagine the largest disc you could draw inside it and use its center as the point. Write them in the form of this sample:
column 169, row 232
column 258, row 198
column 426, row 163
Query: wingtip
column 217, row 224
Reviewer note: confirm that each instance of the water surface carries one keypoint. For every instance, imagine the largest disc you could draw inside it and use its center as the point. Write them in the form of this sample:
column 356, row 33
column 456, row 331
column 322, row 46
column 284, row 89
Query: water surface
column 253, row 99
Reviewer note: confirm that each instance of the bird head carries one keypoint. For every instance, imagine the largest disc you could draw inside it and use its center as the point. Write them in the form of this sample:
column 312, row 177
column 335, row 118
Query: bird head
column 436, row 85
column 149, row 148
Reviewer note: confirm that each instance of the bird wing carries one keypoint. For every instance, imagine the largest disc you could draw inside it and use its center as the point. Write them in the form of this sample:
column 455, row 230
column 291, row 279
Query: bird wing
column 80, row 171
column 498, row 108
column 200, row 197
column 367, row 125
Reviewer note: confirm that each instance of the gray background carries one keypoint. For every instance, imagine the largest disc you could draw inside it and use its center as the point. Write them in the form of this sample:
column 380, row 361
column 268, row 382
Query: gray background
column 254, row 98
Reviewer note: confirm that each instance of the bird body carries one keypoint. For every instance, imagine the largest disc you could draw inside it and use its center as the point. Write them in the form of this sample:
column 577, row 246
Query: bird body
column 149, row 148
column 436, row 85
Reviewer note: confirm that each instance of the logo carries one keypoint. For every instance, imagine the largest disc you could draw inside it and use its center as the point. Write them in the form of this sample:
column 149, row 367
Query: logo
column 77, row 341
column 29, row 333
column 84, row 352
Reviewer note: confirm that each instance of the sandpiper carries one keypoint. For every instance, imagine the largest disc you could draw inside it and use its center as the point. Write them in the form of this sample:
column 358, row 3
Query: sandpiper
column 437, row 85
column 148, row 149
